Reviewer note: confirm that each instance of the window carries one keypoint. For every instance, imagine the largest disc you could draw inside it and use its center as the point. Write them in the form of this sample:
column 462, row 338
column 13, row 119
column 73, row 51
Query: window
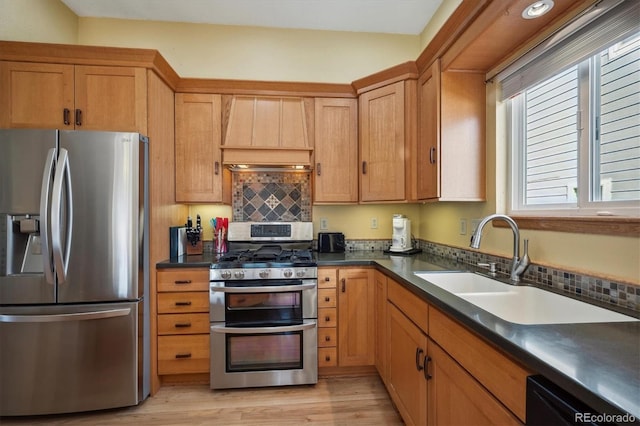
column 574, row 115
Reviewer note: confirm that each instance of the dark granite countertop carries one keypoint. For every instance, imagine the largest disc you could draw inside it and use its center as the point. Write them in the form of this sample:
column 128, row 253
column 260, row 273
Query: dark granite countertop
column 597, row 362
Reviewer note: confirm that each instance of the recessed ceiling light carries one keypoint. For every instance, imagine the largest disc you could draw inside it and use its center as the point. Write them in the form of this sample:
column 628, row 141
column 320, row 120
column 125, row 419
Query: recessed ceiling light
column 537, row 9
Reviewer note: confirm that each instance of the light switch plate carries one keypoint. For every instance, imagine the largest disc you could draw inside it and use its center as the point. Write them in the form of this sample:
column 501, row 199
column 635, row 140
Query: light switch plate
column 324, row 224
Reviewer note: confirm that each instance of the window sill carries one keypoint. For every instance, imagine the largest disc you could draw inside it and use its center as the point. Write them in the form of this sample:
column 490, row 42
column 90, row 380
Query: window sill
column 620, row 226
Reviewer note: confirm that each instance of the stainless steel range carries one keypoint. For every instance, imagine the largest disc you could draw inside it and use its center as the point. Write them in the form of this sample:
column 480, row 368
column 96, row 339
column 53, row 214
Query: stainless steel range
column 263, row 307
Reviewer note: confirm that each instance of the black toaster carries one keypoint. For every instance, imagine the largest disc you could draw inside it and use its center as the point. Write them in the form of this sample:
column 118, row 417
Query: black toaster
column 330, row 242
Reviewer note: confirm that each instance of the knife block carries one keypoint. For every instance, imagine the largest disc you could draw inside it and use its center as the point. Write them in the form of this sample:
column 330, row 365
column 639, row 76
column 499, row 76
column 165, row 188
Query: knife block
column 195, row 249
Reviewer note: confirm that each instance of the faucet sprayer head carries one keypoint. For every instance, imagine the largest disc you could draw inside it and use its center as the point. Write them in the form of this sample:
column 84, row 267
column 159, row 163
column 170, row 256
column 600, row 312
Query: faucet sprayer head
column 475, row 240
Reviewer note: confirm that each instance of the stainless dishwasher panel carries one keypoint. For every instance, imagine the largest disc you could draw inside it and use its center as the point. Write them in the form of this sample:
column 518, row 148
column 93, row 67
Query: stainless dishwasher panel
column 62, row 359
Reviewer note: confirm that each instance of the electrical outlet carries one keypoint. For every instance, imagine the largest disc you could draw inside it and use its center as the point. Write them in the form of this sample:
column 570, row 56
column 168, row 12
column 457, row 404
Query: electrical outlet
column 324, row 223
column 463, row 226
column 474, row 225
column 374, row 223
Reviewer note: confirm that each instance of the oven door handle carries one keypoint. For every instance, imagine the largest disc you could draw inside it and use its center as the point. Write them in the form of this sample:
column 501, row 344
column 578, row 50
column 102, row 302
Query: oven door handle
column 265, row 289
column 262, row 330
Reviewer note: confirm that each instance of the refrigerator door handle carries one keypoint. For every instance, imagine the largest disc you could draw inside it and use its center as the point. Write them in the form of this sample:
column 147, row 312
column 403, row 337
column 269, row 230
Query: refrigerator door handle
column 44, row 215
column 80, row 316
column 63, row 174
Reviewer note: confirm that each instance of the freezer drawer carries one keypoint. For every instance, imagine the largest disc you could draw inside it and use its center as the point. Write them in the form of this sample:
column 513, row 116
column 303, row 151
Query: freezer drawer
column 62, row 359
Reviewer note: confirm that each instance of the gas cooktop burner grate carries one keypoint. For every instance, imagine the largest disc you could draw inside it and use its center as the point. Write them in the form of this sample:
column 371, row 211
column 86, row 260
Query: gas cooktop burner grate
column 268, row 253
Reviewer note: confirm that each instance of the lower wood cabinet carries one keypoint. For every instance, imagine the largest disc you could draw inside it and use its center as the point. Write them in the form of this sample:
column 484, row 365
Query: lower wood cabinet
column 407, row 356
column 438, row 372
column 356, row 335
column 183, row 321
column 346, row 334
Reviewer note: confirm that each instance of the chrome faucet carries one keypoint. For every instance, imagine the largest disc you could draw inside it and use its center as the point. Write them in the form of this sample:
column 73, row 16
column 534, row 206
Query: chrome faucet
column 518, row 266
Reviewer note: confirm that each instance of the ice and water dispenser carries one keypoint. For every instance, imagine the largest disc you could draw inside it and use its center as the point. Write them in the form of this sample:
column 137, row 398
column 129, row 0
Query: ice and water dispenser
column 21, row 251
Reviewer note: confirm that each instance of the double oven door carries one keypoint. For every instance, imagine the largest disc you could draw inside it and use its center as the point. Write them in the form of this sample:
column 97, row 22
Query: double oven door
column 263, row 333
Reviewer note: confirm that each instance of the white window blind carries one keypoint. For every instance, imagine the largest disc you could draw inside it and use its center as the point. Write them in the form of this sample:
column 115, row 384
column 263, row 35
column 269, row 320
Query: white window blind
column 614, row 20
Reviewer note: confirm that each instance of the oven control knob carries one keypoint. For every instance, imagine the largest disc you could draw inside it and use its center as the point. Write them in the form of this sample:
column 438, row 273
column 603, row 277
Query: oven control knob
column 238, row 274
column 287, row 273
column 301, row 273
column 225, row 274
column 264, row 273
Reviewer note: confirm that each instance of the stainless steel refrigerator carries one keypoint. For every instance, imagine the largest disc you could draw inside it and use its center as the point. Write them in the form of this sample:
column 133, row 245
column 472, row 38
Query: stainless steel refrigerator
column 74, row 275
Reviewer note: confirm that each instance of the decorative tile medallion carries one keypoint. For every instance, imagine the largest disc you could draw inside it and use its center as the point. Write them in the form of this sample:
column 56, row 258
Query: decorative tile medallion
column 271, row 196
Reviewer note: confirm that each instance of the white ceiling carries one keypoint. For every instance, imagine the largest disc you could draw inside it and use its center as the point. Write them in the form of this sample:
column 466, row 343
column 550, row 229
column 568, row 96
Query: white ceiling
column 377, row 16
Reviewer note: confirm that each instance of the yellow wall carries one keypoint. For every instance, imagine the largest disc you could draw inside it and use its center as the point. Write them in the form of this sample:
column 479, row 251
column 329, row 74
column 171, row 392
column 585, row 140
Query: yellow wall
column 48, row 21
column 250, row 53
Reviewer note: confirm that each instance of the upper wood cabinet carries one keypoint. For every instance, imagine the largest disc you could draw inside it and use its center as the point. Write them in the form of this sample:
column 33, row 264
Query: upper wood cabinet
column 200, row 176
column 336, row 151
column 386, row 132
column 41, row 95
column 450, row 155
column 264, row 130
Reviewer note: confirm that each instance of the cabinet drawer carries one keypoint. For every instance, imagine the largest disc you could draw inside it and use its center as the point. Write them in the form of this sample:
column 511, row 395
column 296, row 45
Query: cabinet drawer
column 326, row 298
column 327, row 317
column 327, row 337
column 327, row 277
column 183, row 354
column 174, row 303
column 502, row 376
column 327, row 357
column 416, row 309
column 183, row 324
column 183, row 279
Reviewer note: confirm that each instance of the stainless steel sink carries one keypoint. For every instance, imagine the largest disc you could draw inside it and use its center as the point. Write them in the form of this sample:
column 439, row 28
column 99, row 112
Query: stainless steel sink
column 520, row 304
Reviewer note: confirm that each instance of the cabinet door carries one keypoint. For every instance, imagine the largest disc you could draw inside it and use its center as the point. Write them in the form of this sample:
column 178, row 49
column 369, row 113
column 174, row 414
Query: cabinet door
column 428, row 150
column 381, row 324
column 36, row 95
column 406, row 381
column 382, row 148
column 111, row 98
column 456, row 398
column 336, row 151
column 199, row 172
column 356, row 337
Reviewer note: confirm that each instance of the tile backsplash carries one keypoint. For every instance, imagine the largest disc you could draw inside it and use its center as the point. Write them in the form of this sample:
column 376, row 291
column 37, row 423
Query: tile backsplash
column 612, row 292
column 260, row 196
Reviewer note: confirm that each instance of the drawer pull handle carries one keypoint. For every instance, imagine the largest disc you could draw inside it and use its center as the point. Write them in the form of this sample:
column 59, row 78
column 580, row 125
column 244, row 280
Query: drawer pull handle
column 183, row 303
column 327, row 299
column 344, row 283
column 65, row 116
column 327, row 318
column 182, row 281
column 183, row 324
column 327, row 338
column 182, row 356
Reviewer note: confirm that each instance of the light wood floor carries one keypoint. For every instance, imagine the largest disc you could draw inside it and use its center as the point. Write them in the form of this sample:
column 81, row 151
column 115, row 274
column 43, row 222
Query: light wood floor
column 333, row 401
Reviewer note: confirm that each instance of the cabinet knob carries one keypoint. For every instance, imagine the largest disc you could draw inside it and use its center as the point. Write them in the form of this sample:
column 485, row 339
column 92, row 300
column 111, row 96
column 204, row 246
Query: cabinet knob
column 327, row 358
column 326, row 299
column 327, row 318
column 327, row 338
column 327, row 279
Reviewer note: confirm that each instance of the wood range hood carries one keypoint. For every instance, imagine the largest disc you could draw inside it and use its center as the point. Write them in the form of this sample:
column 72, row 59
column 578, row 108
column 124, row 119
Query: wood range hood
column 267, row 132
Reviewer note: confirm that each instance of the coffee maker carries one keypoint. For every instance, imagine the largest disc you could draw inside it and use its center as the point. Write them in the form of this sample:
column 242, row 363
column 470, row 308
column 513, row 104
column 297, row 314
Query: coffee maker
column 401, row 238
